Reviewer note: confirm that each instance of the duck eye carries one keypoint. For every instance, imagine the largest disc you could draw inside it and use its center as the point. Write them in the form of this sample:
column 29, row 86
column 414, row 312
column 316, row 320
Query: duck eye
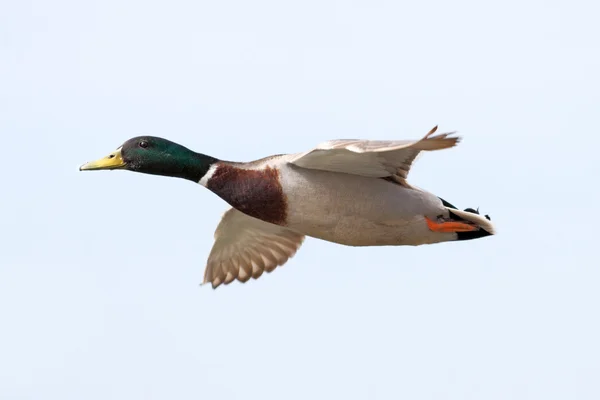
column 143, row 144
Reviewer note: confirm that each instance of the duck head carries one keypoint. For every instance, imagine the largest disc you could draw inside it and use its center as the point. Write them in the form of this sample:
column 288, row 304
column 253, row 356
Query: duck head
column 155, row 156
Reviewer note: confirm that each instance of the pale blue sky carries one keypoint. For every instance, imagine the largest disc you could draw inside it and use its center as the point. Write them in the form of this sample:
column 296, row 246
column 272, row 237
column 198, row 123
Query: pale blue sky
column 99, row 272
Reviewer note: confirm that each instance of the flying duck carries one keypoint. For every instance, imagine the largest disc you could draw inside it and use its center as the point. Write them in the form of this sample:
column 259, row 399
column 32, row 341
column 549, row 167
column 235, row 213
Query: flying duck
column 348, row 191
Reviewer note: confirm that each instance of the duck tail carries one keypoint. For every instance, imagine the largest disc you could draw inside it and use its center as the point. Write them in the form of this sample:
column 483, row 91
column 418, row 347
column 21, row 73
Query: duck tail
column 484, row 223
column 472, row 216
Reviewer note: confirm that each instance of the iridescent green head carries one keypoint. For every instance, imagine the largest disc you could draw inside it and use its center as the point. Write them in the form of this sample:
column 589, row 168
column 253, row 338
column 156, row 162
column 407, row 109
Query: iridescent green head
column 156, row 156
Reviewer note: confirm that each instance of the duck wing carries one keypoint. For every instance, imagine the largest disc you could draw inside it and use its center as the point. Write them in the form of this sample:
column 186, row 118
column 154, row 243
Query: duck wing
column 245, row 247
column 372, row 158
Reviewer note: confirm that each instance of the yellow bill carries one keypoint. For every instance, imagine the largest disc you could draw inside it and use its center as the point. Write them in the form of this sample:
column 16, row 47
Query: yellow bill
column 112, row 161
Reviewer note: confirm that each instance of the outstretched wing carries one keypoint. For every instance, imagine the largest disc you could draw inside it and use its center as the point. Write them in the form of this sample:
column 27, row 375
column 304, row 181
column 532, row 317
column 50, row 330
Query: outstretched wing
column 245, row 247
column 372, row 158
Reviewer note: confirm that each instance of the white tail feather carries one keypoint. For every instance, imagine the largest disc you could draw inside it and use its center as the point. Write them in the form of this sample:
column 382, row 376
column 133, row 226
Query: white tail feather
column 480, row 220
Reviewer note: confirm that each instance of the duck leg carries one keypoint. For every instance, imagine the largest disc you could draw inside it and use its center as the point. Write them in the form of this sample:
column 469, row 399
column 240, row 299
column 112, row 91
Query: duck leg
column 449, row 226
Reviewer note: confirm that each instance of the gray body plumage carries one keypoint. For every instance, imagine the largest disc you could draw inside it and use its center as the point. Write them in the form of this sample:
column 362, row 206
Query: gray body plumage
column 356, row 210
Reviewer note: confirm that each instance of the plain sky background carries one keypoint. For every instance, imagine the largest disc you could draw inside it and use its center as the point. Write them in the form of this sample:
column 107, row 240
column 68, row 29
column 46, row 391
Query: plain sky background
column 100, row 272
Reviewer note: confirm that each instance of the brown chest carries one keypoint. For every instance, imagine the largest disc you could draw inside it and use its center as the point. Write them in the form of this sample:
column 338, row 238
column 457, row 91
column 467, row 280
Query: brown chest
column 257, row 193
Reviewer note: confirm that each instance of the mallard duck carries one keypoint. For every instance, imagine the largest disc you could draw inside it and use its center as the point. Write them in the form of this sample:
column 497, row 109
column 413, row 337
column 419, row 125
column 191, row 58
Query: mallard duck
column 351, row 192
